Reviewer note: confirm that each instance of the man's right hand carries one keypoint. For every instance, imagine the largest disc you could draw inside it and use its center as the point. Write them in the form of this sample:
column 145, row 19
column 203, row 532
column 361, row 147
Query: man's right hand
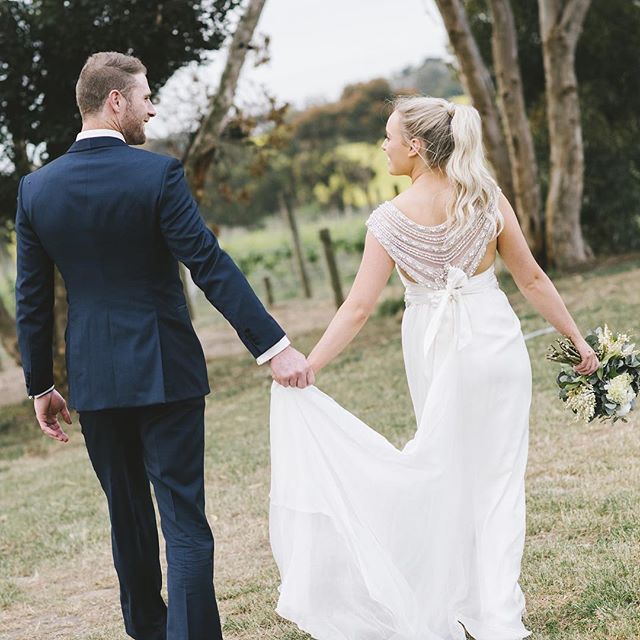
column 47, row 408
column 291, row 369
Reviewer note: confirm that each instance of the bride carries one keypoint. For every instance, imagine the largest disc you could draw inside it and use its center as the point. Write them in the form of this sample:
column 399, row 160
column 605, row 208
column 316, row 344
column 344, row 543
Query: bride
column 423, row 543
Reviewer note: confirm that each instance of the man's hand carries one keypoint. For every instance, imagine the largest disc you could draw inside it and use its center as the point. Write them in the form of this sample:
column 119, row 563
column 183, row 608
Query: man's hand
column 47, row 409
column 291, row 369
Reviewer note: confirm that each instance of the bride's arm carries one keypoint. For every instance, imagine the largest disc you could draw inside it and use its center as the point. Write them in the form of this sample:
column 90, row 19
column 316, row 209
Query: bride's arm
column 537, row 288
column 374, row 271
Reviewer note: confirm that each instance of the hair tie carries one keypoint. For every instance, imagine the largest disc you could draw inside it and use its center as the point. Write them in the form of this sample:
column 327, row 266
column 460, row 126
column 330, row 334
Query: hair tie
column 451, row 109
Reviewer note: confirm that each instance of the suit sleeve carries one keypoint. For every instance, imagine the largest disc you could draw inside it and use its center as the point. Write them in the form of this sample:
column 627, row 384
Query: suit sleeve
column 224, row 285
column 34, row 304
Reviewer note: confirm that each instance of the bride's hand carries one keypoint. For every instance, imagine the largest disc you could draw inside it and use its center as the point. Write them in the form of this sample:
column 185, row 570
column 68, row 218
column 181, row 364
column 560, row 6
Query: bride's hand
column 589, row 363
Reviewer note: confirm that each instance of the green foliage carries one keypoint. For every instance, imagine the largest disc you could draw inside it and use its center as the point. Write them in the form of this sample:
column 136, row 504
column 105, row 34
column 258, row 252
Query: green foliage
column 44, row 44
column 390, row 307
column 349, row 176
column 358, row 116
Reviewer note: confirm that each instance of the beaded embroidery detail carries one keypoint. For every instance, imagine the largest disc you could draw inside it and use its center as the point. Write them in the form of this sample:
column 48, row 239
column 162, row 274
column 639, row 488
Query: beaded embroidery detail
column 426, row 253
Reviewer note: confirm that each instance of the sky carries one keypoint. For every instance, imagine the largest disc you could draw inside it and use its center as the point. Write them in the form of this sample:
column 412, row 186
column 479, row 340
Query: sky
column 317, row 47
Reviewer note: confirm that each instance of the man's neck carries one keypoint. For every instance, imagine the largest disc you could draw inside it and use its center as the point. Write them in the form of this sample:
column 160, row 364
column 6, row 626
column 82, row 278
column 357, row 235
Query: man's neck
column 100, row 123
column 89, row 125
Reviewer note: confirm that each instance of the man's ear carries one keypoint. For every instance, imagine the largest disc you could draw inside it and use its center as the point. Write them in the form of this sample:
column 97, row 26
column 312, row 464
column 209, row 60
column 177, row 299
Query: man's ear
column 115, row 100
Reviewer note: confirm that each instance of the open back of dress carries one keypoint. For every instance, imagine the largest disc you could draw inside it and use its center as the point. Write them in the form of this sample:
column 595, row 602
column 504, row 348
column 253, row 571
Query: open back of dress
column 376, row 543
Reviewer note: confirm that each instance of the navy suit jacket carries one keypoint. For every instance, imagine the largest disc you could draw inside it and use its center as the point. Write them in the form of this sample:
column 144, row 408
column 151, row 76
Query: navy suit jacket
column 116, row 220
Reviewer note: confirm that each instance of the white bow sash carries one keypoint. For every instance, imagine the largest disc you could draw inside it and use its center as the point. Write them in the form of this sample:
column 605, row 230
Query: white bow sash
column 458, row 286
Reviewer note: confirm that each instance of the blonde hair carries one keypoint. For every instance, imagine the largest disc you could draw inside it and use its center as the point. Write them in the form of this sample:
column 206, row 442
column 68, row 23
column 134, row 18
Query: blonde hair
column 451, row 137
column 102, row 73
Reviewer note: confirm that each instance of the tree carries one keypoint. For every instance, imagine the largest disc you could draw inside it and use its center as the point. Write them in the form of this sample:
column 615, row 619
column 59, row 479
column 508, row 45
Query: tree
column 200, row 153
column 478, row 84
column 607, row 66
column 44, row 44
column 555, row 40
column 358, row 116
column 560, row 26
column 524, row 167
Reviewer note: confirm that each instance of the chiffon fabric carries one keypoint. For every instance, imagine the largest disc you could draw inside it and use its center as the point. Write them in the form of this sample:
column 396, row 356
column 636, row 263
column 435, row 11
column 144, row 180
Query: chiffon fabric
column 376, row 543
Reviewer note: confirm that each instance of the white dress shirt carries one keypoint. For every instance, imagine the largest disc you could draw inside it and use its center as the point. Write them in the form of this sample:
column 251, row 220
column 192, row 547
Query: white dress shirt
column 99, row 133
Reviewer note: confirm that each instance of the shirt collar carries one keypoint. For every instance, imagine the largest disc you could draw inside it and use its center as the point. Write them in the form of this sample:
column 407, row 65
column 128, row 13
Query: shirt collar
column 100, row 133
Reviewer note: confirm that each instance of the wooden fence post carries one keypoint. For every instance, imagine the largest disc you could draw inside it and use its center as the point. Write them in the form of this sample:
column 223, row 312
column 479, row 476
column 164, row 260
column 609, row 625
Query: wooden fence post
column 325, row 238
column 269, row 290
column 286, row 205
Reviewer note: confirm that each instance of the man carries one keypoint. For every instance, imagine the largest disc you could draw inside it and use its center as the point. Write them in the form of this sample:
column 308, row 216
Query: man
column 116, row 221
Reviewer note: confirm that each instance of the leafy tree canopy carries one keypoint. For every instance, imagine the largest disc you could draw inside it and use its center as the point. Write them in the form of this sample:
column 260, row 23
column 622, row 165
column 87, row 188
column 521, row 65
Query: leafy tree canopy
column 358, row 116
column 44, row 44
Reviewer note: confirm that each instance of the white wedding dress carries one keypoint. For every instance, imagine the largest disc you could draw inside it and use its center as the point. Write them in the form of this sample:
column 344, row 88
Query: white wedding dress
column 376, row 543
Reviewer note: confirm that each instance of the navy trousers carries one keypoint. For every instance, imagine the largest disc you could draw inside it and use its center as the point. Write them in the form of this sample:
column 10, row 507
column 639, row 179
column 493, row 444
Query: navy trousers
column 163, row 444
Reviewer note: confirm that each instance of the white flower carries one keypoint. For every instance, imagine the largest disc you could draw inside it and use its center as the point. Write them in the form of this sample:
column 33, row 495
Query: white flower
column 619, row 389
column 614, row 346
column 582, row 401
column 604, row 337
column 624, row 410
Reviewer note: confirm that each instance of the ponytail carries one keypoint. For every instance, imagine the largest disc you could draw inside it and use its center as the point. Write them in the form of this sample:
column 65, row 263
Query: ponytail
column 452, row 138
column 466, row 168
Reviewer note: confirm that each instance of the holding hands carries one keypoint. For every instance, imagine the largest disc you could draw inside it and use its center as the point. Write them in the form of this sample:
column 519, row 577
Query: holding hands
column 291, row 369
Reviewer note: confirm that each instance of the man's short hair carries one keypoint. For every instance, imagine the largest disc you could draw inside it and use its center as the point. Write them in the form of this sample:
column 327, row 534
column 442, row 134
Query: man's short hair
column 102, row 73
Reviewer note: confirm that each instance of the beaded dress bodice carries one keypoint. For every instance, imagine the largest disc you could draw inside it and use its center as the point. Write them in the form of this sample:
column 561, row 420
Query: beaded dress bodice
column 426, row 253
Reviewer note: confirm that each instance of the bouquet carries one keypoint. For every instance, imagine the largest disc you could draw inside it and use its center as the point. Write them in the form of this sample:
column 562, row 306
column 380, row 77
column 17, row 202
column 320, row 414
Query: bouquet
column 609, row 393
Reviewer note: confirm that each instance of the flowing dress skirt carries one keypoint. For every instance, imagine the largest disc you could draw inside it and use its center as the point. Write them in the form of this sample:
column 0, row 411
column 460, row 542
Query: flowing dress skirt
column 376, row 543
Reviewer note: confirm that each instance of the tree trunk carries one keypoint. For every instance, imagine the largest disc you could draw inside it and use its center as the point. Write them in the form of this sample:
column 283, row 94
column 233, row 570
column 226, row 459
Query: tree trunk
column 560, row 26
column 477, row 83
column 332, row 266
column 59, row 327
column 200, row 153
column 524, row 167
column 8, row 335
column 289, row 214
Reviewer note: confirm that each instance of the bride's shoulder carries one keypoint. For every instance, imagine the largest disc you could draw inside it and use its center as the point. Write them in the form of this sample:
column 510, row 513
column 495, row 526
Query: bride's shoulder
column 381, row 214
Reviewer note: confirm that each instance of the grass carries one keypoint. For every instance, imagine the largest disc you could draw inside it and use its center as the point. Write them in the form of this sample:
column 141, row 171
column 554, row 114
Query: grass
column 581, row 573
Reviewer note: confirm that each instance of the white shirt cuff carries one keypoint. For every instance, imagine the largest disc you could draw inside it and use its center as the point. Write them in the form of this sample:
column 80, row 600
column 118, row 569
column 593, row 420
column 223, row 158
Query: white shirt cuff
column 279, row 346
column 44, row 393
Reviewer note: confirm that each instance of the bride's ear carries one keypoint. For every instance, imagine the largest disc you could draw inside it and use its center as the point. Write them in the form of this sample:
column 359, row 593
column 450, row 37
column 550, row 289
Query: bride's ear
column 414, row 147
